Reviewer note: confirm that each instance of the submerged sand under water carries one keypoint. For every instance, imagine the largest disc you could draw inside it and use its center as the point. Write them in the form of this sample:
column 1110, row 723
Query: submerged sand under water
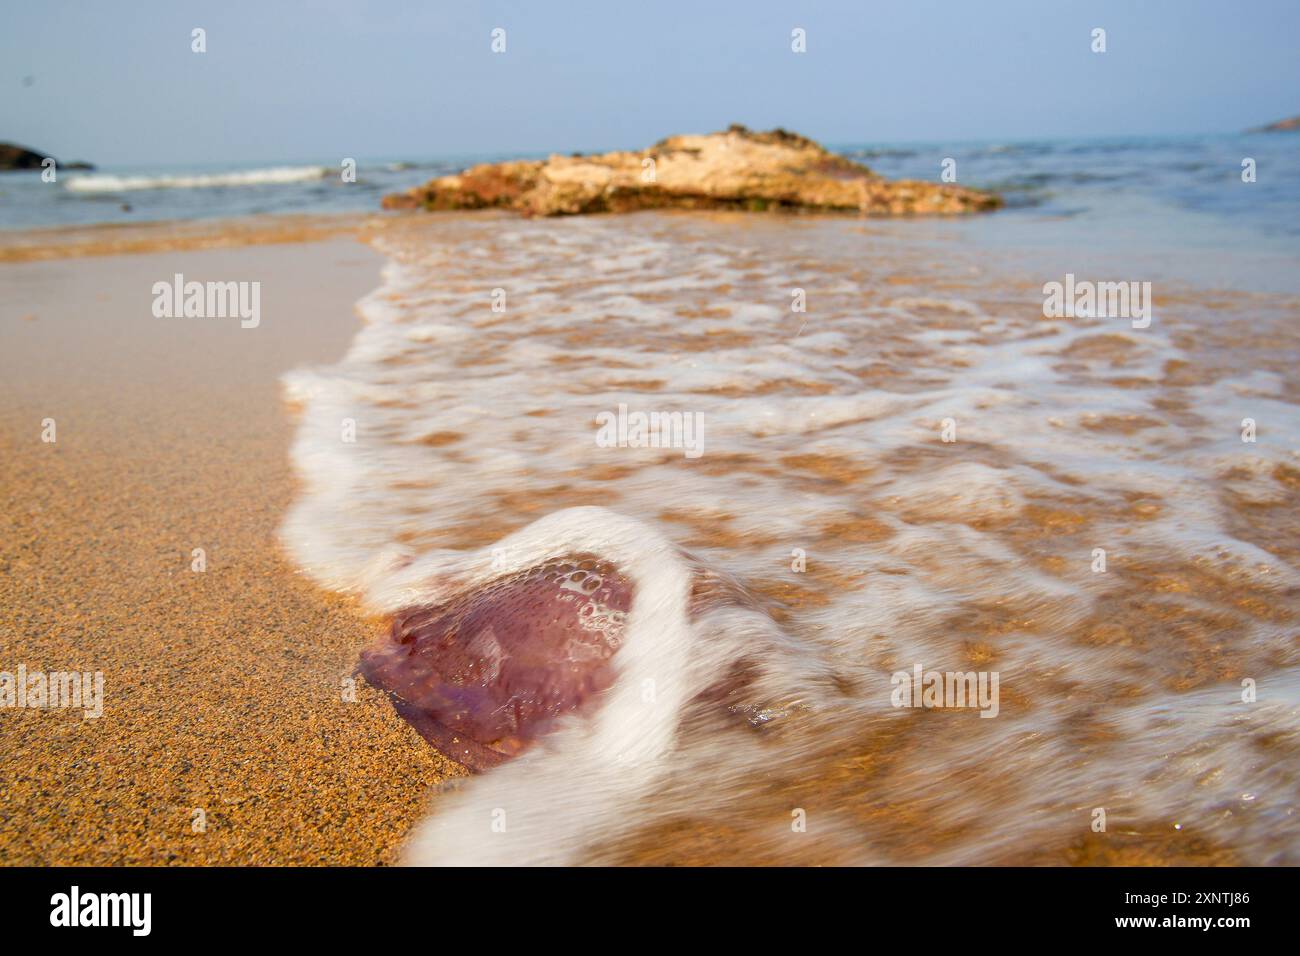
column 819, row 478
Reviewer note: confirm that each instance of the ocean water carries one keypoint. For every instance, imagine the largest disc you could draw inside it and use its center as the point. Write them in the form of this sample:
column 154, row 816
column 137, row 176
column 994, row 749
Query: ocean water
column 1141, row 192
column 919, row 470
column 132, row 194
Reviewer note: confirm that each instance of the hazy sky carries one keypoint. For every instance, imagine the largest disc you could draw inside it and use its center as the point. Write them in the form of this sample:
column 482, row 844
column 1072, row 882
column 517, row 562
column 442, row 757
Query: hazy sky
column 117, row 83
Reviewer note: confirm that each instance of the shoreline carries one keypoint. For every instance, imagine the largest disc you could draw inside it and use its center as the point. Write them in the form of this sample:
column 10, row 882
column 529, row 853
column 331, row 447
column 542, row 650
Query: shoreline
column 176, row 235
column 222, row 688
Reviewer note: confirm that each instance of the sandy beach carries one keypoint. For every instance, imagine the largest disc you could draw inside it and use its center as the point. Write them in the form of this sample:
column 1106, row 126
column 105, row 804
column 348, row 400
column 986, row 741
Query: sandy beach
column 222, row 689
column 229, row 732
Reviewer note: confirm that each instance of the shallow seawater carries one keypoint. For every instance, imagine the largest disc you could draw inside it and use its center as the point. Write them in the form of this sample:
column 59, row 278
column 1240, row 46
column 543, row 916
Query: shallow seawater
column 918, row 469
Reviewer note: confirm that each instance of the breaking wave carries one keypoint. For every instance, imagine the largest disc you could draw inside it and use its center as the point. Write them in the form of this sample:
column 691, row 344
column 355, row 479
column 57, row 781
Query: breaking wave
column 107, row 183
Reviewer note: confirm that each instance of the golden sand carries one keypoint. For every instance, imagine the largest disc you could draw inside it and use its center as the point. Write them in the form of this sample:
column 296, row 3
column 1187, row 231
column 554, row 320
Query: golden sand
column 222, row 689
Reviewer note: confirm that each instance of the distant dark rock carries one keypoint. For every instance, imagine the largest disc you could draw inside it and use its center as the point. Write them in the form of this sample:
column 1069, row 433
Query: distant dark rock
column 19, row 157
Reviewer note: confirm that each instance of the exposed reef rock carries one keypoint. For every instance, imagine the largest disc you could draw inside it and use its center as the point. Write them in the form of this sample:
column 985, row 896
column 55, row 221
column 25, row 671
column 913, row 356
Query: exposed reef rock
column 1291, row 125
column 736, row 169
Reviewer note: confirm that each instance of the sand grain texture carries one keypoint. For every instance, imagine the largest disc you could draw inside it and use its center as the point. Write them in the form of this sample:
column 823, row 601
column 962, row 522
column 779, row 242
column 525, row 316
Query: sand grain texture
column 222, row 688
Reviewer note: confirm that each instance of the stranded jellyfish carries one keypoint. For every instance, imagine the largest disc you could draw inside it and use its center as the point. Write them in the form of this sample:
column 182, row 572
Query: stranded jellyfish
column 482, row 675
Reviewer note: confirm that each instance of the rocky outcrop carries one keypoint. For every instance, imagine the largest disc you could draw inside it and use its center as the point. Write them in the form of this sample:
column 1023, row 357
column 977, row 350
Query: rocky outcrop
column 19, row 157
column 1291, row 125
column 736, row 169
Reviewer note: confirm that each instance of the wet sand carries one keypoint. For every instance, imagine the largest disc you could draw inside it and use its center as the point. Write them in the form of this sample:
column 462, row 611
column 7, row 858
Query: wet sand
column 222, row 689
column 113, row 239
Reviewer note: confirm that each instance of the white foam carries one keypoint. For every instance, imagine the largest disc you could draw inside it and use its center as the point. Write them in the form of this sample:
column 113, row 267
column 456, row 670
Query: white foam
column 108, row 183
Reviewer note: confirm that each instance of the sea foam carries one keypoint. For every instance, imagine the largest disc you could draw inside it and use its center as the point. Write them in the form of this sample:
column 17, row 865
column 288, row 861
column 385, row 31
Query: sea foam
column 752, row 691
column 108, row 183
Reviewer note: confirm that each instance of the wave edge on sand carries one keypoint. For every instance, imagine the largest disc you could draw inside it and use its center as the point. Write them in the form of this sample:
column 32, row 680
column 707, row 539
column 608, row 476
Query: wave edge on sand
column 474, row 430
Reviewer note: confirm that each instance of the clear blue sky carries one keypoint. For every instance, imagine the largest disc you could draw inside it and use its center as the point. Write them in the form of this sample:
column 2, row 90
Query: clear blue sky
column 116, row 82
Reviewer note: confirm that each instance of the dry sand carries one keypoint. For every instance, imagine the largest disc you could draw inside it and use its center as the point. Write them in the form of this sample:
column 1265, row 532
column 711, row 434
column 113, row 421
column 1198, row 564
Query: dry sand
column 223, row 689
